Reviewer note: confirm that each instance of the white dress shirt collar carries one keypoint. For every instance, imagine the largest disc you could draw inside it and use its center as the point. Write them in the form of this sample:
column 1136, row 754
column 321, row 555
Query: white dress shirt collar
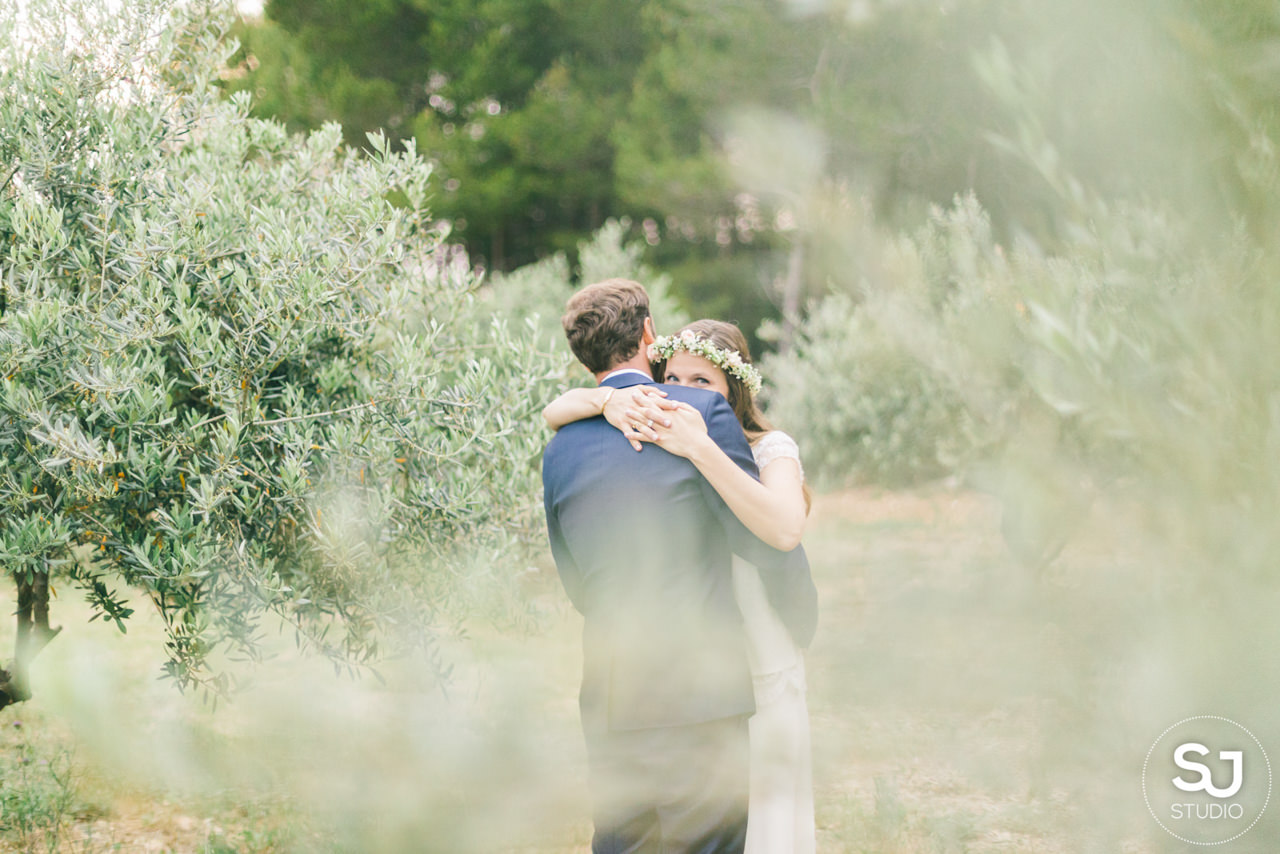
column 647, row 377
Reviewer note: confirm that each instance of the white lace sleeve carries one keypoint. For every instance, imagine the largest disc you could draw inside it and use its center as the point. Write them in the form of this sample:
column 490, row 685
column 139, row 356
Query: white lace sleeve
column 775, row 445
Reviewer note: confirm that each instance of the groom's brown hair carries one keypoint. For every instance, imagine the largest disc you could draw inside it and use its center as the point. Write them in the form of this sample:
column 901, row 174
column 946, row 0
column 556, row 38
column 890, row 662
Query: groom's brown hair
column 604, row 323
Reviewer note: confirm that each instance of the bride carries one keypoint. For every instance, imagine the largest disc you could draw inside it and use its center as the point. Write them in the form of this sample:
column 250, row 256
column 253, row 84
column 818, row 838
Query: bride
column 713, row 355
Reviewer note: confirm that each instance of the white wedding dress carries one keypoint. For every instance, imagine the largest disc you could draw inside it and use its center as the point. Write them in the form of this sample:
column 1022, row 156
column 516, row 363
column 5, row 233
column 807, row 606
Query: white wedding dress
column 780, row 817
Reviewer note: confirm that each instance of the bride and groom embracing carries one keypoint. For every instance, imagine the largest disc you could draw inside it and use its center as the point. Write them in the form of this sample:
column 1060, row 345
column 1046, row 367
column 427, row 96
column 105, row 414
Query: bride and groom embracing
column 692, row 698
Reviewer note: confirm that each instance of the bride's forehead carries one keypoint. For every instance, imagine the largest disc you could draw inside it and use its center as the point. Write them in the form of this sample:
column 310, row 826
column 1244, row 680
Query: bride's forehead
column 686, row 362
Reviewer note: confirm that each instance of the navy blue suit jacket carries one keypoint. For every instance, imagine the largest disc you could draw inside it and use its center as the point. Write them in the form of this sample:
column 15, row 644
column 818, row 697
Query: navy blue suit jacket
column 643, row 545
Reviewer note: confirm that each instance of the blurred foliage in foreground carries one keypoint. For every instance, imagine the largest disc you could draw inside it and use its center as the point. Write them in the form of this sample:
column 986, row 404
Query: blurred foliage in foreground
column 1126, row 302
column 1108, row 370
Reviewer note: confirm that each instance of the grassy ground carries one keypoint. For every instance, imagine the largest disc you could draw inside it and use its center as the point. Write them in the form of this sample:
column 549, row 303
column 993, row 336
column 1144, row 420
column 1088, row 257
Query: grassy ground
column 939, row 692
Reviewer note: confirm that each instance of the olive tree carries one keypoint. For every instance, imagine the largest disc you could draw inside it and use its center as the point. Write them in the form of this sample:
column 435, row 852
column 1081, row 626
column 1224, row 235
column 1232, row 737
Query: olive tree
column 241, row 371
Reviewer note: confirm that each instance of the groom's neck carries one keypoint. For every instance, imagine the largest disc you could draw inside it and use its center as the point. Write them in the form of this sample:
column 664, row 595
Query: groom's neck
column 638, row 362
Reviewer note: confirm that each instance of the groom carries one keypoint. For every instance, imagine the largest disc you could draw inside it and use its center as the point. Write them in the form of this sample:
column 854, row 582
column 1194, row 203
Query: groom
column 643, row 546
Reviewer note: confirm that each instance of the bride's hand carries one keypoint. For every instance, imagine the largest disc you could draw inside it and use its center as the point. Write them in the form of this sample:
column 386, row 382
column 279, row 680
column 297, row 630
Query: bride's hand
column 637, row 410
column 685, row 432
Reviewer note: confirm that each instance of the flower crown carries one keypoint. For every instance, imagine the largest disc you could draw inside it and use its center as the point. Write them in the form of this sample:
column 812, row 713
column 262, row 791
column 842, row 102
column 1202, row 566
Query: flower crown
column 729, row 361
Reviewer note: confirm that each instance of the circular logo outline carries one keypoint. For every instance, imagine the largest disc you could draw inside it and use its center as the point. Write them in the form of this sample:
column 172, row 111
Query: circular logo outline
column 1147, row 761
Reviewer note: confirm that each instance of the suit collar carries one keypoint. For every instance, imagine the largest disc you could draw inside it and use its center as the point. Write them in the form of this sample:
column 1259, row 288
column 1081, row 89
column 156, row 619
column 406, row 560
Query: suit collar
column 627, row 377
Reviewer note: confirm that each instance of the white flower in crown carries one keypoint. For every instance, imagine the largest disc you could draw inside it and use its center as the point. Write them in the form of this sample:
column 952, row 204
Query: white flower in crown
column 729, row 361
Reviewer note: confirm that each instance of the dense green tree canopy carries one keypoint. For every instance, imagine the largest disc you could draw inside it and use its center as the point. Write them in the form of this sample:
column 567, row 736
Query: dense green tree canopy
column 515, row 100
column 547, row 118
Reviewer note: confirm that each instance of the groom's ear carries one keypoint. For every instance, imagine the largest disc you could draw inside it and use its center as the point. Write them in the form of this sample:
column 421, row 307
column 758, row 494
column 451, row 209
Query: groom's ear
column 648, row 336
